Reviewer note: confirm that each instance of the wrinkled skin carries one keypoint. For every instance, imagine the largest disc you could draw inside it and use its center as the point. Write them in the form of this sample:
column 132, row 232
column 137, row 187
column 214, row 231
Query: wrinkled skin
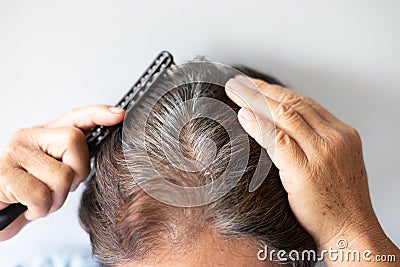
column 319, row 158
column 320, row 162
column 41, row 165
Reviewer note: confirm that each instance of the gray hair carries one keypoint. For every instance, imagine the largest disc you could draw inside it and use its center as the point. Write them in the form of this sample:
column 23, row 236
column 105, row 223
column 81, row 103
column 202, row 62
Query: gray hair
column 125, row 224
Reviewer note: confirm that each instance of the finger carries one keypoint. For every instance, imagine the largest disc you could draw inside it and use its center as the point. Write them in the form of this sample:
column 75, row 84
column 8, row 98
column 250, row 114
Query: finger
column 69, row 146
column 262, row 130
column 284, row 116
column 244, row 96
column 56, row 175
column 19, row 186
column 283, row 150
column 290, row 160
column 282, row 94
column 89, row 117
column 3, row 205
column 13, row 228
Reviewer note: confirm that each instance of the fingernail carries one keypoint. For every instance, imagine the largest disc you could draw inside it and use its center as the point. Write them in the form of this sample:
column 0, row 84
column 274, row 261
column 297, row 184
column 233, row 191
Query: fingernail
column 247, row 114
column 235, row 85
column 245, row 80
column 116, row 110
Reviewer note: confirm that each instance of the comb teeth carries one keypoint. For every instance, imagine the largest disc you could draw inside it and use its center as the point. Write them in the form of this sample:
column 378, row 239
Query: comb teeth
column 163, row 61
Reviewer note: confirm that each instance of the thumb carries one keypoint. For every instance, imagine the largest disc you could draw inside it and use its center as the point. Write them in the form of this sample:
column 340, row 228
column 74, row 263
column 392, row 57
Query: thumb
column 89, row 117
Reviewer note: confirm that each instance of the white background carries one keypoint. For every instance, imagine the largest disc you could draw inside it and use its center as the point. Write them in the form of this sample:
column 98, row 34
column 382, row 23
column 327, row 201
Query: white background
column 56, row 55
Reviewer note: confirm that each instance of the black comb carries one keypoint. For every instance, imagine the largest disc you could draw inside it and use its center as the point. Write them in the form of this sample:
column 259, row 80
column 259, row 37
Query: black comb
column 97, row 135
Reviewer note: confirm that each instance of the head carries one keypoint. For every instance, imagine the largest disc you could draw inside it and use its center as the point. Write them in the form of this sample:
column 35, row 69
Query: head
column 128, row 227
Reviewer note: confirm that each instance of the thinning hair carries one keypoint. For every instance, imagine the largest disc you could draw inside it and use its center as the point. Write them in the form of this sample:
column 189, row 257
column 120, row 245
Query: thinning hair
column 125, row 224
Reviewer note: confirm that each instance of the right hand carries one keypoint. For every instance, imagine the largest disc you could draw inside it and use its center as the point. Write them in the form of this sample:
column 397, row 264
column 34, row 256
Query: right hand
column 41, row 165
column 320, row 163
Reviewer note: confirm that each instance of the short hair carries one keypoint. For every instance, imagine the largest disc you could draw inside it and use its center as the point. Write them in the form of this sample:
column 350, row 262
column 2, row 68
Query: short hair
column 125, row 224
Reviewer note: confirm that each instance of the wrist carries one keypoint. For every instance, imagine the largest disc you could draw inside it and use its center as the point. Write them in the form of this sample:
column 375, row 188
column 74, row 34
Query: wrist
column 360, row 245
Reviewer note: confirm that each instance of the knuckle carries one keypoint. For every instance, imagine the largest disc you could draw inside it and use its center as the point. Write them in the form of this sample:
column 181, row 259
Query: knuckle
column 74, row 135
column 20, row 133
column 42, row 194
column 353, row 133
column 335, row 142
column 290, row 99
column 17, row 136
column 10, row 149
column 18, row 142
column 284, row 111
column 66, row 176
column 295, row 100
column 282, row 139
column 260, row 84
column 337, row 136
column 259, row 81
column 348, row 136
column 42, row 200
column 13, row 150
